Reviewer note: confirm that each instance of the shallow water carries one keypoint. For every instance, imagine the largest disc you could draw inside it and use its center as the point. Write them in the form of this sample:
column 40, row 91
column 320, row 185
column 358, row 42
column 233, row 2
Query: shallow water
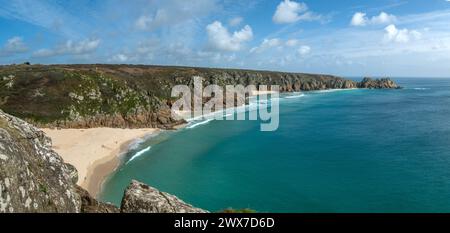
column 335, row 151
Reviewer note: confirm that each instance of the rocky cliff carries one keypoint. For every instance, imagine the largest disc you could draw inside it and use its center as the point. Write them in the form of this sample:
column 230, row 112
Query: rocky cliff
column 132, row 96
column 33, row 178
column 384, row 83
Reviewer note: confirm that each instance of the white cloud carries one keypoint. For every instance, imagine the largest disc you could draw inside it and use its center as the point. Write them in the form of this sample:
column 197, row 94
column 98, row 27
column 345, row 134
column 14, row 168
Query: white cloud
column 383, row 18
column 292, row 42
column 290, row 12
column 70, row 48
column 236, row 21
column 303, row 50
column 13, row 45
column 221, row 39
column 266, row 44
column 400, row 35
column 361, row 19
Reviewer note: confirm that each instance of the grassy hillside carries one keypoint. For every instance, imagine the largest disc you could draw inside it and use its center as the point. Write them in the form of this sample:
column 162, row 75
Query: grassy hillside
column 123, row 95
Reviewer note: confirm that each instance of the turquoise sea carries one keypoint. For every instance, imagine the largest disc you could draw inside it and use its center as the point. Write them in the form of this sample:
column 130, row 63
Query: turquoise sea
column 335, row 151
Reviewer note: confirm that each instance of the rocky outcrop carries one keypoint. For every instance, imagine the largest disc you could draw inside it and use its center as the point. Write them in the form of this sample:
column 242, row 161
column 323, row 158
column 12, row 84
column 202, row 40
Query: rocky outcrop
column 33, row 178
column 161, row 119
column 141, row 198
column 384, row 83
column 131, row 96
column 91, row 205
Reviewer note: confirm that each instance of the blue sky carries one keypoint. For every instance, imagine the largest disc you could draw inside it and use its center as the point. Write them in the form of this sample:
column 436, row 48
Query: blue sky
column 347, row 37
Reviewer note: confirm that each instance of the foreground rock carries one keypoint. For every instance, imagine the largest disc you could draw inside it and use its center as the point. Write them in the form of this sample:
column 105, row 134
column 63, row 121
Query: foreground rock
column 91, row 205
column 141, row 198
column 33, row 178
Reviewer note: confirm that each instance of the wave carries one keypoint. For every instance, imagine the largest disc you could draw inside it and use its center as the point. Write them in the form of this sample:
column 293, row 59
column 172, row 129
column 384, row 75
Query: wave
column 139, row 153
column 294, row 96
column 199, row 123
column 136, row 143
column 334, row 90
column 421, row 88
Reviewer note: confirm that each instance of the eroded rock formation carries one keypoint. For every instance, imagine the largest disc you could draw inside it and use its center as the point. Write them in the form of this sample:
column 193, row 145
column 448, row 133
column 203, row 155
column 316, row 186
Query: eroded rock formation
column 384, row 83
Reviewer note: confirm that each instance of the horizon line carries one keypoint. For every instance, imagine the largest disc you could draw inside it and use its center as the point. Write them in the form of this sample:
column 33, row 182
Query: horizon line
column 223, row 68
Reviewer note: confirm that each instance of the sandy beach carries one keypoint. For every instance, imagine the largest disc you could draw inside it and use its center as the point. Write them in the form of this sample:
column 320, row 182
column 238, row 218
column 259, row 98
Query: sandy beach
column 94, row 152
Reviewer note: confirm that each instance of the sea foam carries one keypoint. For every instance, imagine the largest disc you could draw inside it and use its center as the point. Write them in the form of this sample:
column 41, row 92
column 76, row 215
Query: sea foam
column 139, row 153
column 199, row 123
column 294, row 96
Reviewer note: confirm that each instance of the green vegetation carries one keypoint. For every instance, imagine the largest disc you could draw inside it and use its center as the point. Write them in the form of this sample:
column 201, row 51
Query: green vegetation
column 46, row 94
column 123, row 95
column 43, row 188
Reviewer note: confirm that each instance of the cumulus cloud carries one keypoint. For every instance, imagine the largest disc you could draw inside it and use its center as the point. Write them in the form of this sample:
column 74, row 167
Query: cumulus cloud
column 304, row 50
column 383, row 18
column 236, row 21
column 221, row 39
column 290, row 12
column 13, row 45
column 361, row 19
column 393, row 34
column 70, row 48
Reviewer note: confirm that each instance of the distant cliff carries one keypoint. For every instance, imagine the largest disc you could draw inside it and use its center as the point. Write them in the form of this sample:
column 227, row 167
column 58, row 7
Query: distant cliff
column 34, row 178
column 133, row 96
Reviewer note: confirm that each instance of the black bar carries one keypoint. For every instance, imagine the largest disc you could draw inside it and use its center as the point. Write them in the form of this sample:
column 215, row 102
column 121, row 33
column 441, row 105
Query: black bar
column 127, row 223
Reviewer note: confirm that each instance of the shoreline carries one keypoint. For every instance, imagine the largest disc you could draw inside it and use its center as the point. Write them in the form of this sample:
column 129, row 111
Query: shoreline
column 101, row 165
column 102, row 168
column 95, row 152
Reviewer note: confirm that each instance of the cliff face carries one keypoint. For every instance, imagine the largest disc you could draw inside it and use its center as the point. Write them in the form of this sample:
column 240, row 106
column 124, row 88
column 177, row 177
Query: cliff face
column 384, row 83
column 33, row 178
column 132, row 96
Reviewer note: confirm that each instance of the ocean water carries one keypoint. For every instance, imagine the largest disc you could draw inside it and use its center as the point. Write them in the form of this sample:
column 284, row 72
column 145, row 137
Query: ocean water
column 335, row 151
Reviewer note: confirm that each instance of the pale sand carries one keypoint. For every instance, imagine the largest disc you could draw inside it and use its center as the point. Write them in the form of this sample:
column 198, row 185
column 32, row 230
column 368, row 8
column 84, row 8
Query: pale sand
column 94, row 152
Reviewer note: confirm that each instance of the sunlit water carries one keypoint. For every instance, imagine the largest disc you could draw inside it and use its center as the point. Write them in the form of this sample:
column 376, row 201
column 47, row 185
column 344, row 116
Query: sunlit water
column 335, row 151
